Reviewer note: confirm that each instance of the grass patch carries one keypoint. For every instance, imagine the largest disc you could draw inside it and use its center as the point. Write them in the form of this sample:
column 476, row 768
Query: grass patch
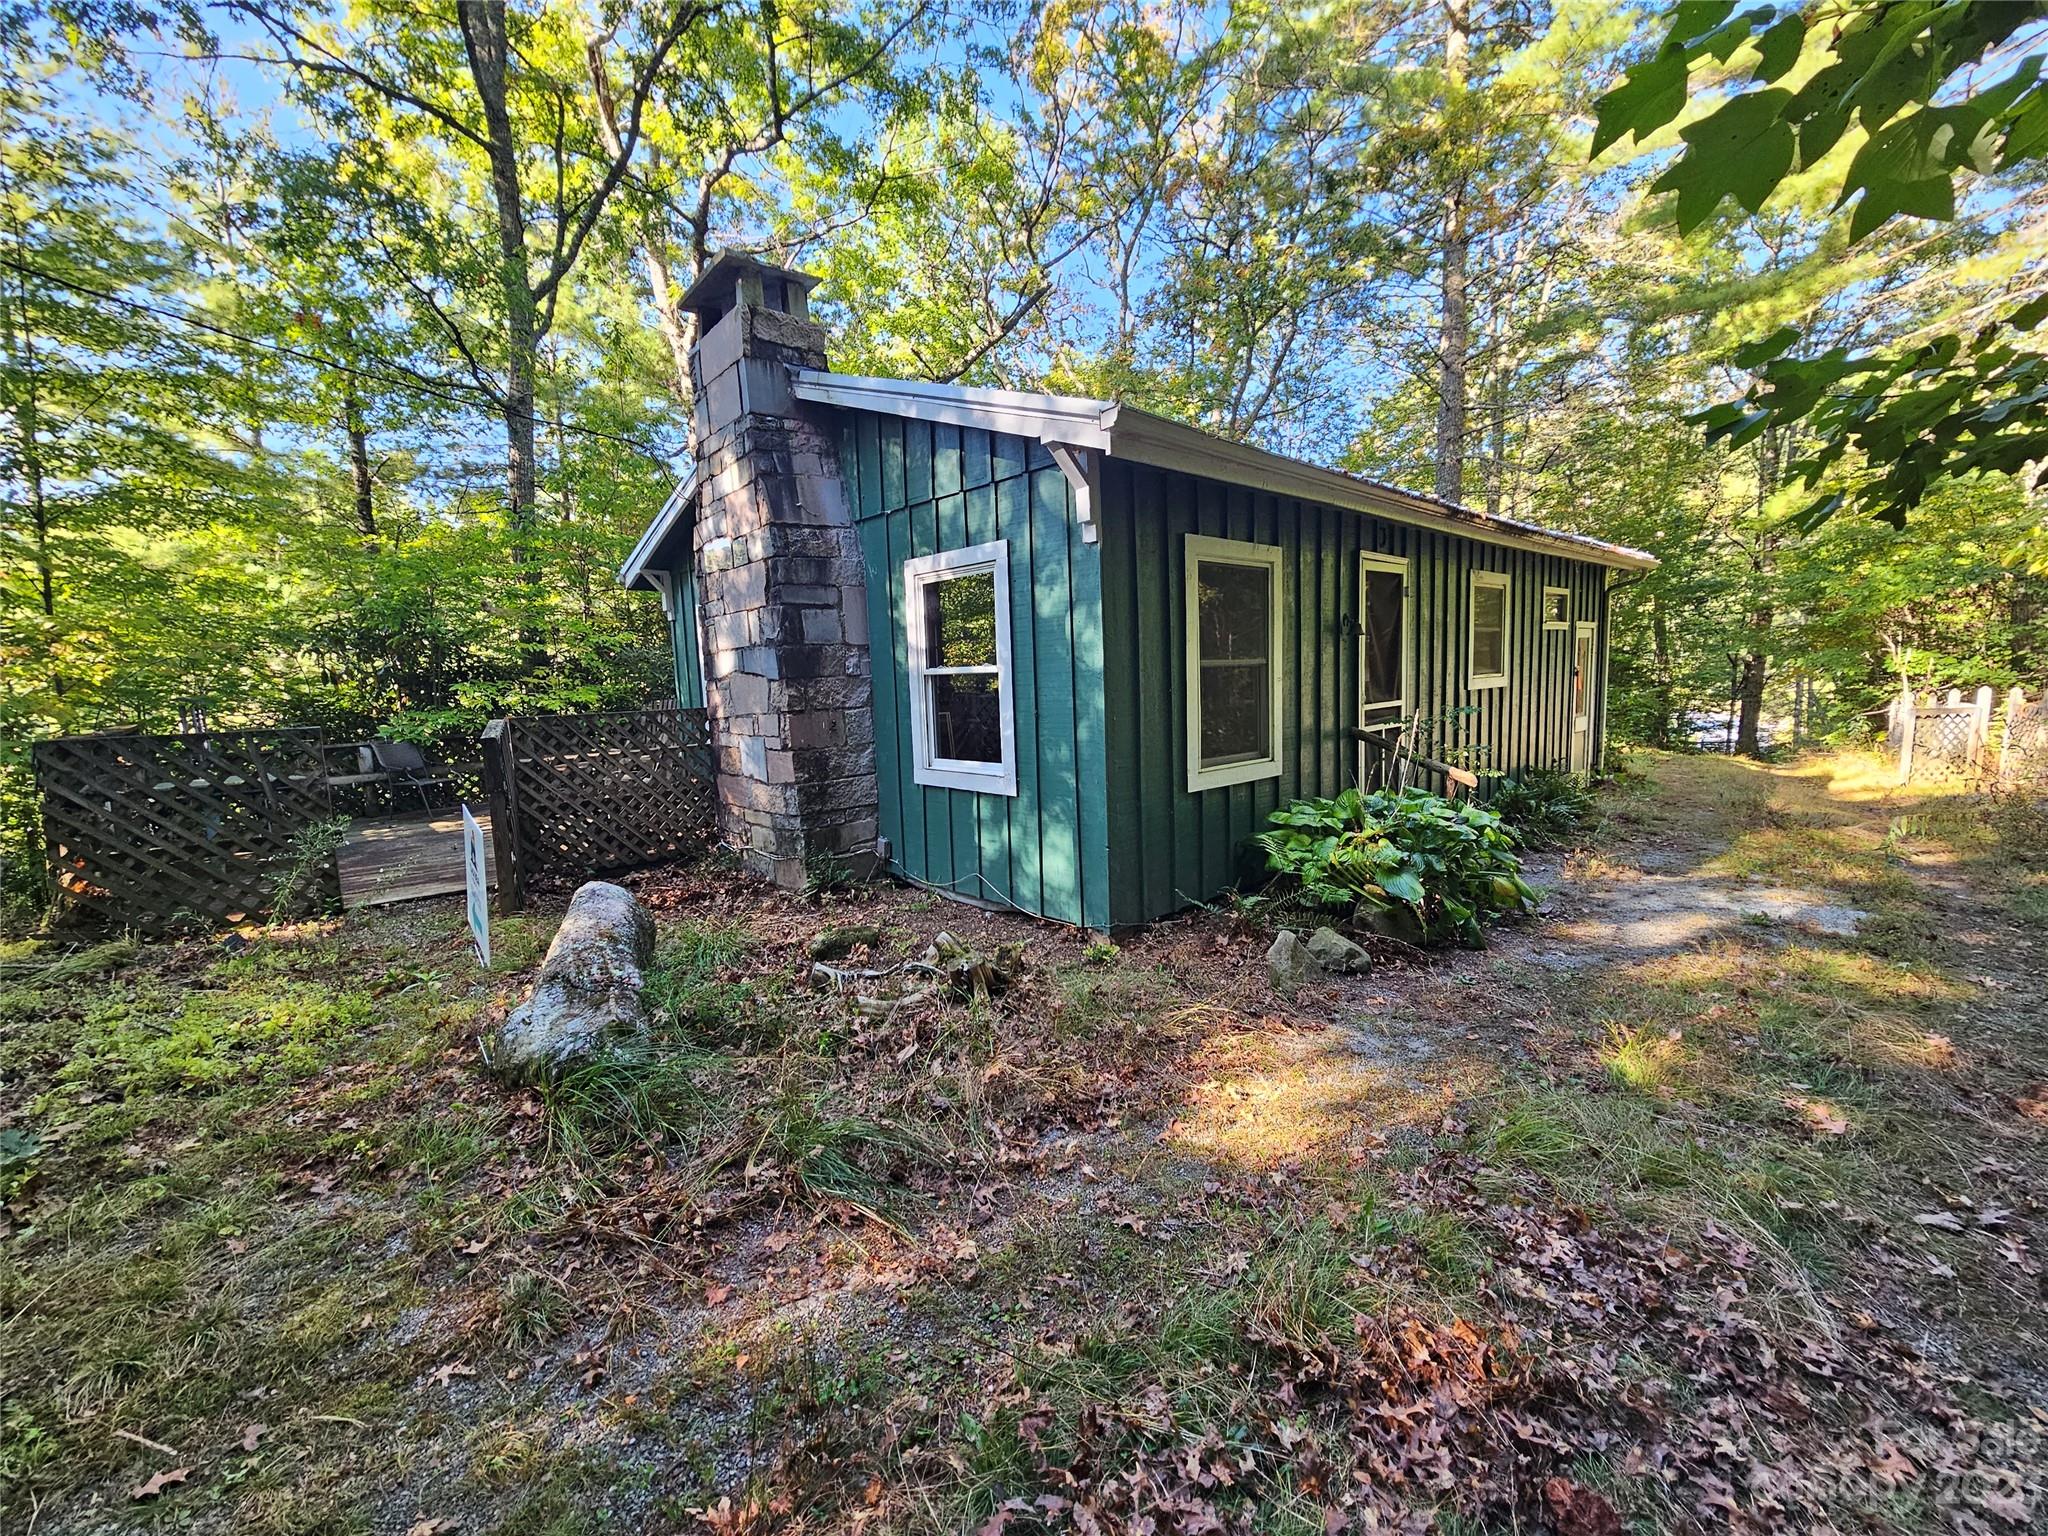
column 646, row 1097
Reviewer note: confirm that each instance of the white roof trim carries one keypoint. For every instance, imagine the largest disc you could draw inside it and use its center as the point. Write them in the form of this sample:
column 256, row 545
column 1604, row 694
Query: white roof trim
column 1123, row 432
column 1047, row 418
column 634, row 572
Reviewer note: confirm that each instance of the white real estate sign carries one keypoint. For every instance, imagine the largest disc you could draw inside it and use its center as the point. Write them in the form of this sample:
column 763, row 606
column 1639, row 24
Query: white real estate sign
column 476, row 885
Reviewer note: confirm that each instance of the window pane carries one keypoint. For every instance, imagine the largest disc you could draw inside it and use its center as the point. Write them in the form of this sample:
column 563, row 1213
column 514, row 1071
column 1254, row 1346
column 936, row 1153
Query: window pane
column 967, row 719
column 960, row 621
column 1489, row 625
column 1383, row 629
column 1556, row 608
column 1237, row 724
column 1236, row 609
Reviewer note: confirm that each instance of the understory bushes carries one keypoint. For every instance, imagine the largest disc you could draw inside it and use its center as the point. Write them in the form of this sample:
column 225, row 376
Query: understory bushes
column 1447, row 866
column 1542, row 805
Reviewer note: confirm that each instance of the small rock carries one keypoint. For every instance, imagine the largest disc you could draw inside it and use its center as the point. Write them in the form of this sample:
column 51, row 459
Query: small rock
column 1395, row 922
column 587, row 1000
column 1289, row 962
column 1334, row 952
column 837, row 943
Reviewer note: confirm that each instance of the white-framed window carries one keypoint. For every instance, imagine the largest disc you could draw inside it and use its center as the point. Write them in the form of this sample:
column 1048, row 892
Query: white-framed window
column 1233, row 636
column 1487, row 631
column 1557, row 607
column 1382, row 640
column 956, row 612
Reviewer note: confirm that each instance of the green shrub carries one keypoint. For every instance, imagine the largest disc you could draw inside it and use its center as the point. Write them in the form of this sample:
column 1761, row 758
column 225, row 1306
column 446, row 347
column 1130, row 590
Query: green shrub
column 1542, row 805
column 1449, row 864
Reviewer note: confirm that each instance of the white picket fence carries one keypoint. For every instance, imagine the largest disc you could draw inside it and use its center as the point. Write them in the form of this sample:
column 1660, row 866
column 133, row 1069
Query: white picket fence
column 1976, row 738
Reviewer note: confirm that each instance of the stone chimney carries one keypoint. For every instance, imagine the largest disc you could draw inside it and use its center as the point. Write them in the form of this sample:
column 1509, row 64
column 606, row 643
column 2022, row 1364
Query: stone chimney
column 782, row 596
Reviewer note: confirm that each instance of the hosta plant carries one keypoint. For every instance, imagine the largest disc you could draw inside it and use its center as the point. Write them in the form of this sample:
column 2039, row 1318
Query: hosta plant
column 1451, row 865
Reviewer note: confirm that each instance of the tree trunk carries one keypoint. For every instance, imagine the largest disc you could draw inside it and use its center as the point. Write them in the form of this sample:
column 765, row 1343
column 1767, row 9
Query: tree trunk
column 1755, row 665
column 28, row 424
column 359, row 463
column 1750, row 699
column 668, row 315
column 1454, row 335
column 1497, row 428
column 1660, row 652
column 488, row 50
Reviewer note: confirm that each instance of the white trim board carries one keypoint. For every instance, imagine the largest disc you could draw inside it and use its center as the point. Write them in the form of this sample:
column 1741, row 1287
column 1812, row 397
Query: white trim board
column 926, row 767
column 1123, row 432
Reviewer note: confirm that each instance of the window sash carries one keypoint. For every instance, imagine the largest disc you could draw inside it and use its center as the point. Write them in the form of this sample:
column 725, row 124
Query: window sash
column 1481, row 676
column 1260, row 758
column 921, row 576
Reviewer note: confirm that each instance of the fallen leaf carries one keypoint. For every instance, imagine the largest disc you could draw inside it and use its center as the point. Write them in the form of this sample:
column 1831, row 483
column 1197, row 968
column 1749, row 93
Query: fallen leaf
column 1945, row 1220
column 252, row 1435
column 2006, row 1506
column 446, row 1373
column 434, row 1525
column 775, row 1242
column 716, row 1295
column 158, row 1482
column 1821, row 1117
column 1578, row 1511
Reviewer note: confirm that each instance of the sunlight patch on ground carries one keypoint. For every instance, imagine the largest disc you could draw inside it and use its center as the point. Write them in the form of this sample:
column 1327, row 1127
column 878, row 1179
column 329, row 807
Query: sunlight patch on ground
column 1656, row 913
column 1288, row 1099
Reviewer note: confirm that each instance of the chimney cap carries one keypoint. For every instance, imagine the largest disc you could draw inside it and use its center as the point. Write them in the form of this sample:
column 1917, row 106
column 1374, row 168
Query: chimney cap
column 721, row 286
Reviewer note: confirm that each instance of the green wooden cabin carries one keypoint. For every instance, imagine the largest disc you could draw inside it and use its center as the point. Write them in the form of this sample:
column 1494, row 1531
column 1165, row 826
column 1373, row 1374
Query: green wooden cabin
column 1051, row 735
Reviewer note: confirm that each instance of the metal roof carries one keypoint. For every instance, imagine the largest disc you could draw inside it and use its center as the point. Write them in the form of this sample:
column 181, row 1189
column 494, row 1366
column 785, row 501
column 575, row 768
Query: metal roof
column 1125, row 432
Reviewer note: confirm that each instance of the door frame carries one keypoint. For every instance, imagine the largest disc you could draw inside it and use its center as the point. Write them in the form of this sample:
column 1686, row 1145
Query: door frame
column 1370, row 561
column 1586, row 641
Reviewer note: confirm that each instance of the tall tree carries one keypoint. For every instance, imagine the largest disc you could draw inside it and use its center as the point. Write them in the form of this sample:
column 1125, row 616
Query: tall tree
column 1454, row 335
column 515, row 98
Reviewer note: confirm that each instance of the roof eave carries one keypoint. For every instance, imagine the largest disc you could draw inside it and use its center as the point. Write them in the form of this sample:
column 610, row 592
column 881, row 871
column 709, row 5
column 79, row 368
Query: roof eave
column 1125, row 432
column 1166, row 444
column 634, row 574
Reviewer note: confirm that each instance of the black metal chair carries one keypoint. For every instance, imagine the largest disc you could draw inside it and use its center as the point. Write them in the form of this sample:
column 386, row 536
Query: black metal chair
column 408, row 768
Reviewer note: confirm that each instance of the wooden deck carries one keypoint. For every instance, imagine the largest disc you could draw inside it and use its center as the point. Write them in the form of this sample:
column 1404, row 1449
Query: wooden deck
column 402, row 858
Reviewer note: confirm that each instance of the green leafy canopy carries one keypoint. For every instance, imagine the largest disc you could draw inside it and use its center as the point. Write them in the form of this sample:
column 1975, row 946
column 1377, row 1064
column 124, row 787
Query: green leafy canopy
column 1923, row 84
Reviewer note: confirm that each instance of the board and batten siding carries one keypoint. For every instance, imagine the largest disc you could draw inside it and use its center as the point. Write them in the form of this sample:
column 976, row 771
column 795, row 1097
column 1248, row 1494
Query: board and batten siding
column 1103, row 830
column 685, row 642
column 1170, row 847
column 918, row 489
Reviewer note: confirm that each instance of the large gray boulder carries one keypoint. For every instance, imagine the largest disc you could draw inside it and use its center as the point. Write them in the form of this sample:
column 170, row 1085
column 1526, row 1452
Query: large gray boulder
column 587, row 1000
column 1335, row 953
column 1289, row 963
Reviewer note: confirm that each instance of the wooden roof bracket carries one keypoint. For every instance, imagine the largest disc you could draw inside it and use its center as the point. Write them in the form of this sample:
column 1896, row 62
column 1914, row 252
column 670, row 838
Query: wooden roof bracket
column 1078, row 465
column 664, row 583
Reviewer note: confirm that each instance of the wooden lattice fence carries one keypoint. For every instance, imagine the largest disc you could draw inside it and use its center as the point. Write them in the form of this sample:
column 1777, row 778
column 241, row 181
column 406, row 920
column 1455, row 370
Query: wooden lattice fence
column 1976, row 738
column 2023, row 752
column 160, row 833
column 580, row 795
